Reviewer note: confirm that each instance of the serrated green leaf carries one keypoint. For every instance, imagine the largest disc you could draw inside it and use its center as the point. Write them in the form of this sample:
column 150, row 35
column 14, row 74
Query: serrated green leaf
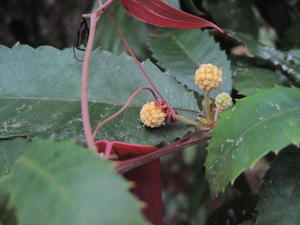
column 284, row 61
column 279, row 197
column 41, row 117
column 250, row 79
column 266, row 121
column 10, row 150
column 67, row 184
column 181, row 52
column 40, row 94
column 51, row 73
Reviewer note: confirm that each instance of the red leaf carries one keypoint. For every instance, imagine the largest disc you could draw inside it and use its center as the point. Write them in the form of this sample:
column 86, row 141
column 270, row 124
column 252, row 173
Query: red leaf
column 159, row 13
column 146, row 177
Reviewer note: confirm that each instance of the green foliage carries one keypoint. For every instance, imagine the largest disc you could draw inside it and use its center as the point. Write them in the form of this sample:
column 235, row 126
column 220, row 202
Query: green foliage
column 134, row 31
column 272, row 122
column 284, row 61
column 239, row 15
column 181, row 52
column 10, row 150
column 54, row 181
column 48, row 101
column 67, row 184
column 250, row 79
column 279, row 198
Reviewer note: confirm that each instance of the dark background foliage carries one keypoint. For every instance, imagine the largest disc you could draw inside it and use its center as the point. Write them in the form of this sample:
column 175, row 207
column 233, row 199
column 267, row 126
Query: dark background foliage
column 45, row 22
column 186, row 194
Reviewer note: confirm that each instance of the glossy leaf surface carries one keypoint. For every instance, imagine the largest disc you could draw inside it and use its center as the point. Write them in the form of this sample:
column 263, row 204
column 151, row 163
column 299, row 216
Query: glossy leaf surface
column 266, row 121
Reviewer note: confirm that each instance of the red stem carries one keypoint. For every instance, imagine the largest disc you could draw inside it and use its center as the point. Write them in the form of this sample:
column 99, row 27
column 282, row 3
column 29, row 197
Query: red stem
column 122, row 109
column 94, row 16
column 84, row 85
column 125, row 166
column 128, row 48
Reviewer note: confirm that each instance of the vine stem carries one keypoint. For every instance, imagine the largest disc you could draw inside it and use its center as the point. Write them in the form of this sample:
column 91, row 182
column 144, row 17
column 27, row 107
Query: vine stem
column 122, row 109
column 128, row 48
column 94, row 16
column 84, row 85
column 127, row 165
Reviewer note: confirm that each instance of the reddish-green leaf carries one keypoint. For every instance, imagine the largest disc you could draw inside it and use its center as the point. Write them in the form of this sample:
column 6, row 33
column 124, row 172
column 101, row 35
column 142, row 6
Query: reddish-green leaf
column 159, row 13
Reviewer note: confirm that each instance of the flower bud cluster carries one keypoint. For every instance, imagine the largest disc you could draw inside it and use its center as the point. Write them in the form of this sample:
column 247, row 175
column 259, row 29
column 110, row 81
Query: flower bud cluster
column 224, row 101
column 152, row 116
column 208, row 77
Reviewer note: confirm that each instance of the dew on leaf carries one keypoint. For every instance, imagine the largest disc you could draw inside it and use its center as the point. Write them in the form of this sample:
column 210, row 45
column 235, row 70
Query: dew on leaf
column 284, row 67
column 277, row 107
column 239, row 141
column 289, row 58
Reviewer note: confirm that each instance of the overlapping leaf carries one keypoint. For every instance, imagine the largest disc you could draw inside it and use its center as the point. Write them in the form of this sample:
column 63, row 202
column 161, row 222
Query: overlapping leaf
column 279, row 197
column 250, row 79
column 40, row 95
column 266, row 121
column 69, row 185
column 181, row 52
column 285, row 61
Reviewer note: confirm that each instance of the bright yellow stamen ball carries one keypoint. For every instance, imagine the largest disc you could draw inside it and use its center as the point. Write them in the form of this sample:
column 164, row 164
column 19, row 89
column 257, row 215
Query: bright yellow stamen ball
column 152, row 116
column 208, row 77
column 224, row 101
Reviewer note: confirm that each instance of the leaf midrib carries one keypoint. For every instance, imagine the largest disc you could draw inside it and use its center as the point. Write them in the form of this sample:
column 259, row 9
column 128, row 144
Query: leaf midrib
column 78, row 100
column 183, row 49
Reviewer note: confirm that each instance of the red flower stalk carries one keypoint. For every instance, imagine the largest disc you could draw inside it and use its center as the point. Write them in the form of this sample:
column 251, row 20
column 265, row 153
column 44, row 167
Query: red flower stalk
column 146, row 178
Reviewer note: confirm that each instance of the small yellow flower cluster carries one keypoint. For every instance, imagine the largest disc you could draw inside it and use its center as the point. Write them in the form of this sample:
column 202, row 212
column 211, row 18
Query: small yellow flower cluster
column 224, row 101
column 208, row 77
column 152, row 116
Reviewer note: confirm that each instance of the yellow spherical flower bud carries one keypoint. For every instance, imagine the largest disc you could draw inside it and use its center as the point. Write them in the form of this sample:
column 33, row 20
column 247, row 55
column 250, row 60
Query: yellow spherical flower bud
column 152, row 116
column 208, row 77
column 224, row 101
